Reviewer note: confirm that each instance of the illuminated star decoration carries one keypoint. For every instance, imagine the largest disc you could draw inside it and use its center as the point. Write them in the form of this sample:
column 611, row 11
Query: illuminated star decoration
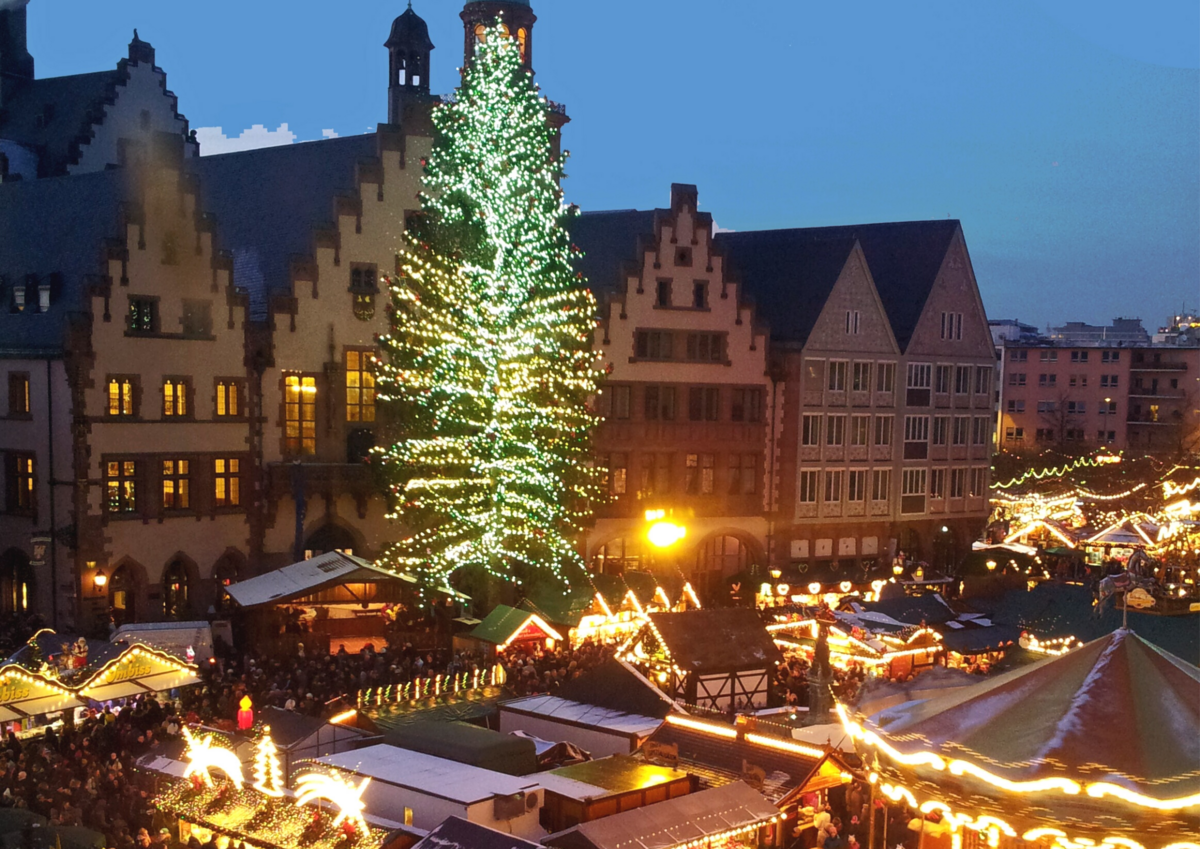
column 203, row 757
column 347, row 797
column 489, row 366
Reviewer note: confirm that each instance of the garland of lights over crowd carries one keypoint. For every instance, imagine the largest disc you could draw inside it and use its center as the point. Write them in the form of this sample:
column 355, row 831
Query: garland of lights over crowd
column 489, row 366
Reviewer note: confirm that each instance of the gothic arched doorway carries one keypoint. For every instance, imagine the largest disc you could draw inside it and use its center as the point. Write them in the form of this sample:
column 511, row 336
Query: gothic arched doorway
column 329, row 538
column 176, row 590
column 226, row 571
column 945, row 550
column 123, row 594
column 16, row 582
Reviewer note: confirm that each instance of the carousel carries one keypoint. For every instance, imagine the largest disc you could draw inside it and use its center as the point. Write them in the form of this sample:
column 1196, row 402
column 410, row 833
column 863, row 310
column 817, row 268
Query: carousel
column 1096, row 748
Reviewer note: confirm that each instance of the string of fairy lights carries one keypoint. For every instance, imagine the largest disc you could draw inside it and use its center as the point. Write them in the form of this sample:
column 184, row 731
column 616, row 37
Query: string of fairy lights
column 489, row 362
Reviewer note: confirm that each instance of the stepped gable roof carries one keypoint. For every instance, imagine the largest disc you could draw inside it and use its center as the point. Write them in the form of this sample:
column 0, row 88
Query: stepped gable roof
column 1118, row 709
column 610, row 240
column 53, row 115
column 55, row 229
column 789, row 274
column 616, row 686
column 716, row 639
column 269, row 202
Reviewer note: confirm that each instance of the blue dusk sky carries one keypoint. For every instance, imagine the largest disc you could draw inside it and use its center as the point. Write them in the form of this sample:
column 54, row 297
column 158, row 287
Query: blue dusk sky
column 1064, row 134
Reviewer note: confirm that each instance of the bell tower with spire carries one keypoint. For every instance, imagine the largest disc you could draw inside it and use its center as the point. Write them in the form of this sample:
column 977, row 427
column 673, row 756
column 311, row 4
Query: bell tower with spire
column 16, row 64
column 408, row 64
column 518, row 18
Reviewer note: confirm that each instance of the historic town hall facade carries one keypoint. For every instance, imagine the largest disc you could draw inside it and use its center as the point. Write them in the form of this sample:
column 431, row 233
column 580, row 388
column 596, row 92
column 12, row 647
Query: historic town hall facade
column 187, row 348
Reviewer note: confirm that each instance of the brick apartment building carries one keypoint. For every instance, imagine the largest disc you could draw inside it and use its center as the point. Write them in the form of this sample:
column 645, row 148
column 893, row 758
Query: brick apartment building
column 186, row 345
column 1129, row 397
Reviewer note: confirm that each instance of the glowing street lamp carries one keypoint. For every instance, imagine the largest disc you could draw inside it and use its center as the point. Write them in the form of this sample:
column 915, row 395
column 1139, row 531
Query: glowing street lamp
column 663, row 534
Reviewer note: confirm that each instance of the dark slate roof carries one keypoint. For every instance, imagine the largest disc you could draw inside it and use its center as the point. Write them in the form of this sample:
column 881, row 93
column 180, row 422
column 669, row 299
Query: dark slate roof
column 614, row 686
column 409, row 30
column 54, row 226
column 717, row 639
column 609, row 240
column 719, row 760
column 787, row 273
column 457, row 833
column 466, row 744
column 267, row 203
column 904, row 258
column 979, row 640
column 288, row 727
column 928, row 609
column 76, row 103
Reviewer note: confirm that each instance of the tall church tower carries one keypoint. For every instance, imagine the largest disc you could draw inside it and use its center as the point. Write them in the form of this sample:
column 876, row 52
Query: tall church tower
column 518, row 20
column 16, row 65
column 408, row 64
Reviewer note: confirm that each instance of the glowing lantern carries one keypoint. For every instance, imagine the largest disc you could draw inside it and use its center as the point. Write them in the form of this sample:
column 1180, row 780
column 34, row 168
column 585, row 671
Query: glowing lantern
column 245, row 716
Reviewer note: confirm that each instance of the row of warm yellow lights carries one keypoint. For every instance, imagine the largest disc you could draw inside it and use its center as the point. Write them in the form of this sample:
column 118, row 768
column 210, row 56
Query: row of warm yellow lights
column 16, row 672
column 993, row 827
column 137, row 650
column 724, row 835
column 1057, row 646
column 1097, row 790
column 731, row 734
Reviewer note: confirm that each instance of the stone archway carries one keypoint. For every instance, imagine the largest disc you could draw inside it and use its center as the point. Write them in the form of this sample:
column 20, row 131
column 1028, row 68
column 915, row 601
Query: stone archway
column 718, row 557
column 179, row 587
column 229, row 569
column 127, row 592
column 16, row 582
column 332, row 536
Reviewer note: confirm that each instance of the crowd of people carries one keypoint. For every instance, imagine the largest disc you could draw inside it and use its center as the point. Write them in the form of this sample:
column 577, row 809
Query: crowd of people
column 792, row 680
column 84, row 775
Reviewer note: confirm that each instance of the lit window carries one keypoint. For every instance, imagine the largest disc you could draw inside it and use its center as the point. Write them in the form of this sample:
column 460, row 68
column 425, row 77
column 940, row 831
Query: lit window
column 120, row 396
column 360, row 386
column 121, row 486
column 227, row 482
column 228, row 400
column 300, row 414
column 176, row 485
column 20, row 482
column 174, row 398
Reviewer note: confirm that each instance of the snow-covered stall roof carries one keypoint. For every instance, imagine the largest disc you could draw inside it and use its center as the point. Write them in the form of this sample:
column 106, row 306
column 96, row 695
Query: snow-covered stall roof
column 307, row 577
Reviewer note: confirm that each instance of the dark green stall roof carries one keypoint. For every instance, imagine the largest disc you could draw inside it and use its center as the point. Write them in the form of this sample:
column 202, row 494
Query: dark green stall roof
column 466, row 744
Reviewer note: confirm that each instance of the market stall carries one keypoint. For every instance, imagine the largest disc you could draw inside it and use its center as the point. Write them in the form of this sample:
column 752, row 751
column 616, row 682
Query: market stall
column 1096, row 747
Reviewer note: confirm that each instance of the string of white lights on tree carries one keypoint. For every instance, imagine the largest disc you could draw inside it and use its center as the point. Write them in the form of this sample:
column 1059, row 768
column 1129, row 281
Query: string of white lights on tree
column 489, row 365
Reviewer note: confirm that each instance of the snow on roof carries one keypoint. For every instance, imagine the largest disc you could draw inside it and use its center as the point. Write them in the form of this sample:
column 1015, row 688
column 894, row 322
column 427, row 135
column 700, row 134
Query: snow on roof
column 428, row 774
column 306, row 577
column 563, row 710
column 571, row 788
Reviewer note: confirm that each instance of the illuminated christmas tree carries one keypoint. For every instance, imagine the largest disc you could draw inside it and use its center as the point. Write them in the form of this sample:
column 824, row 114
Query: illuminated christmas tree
column 489, row 367
column 268, row 775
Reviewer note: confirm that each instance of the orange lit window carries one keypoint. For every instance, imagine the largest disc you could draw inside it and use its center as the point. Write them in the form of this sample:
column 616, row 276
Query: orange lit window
column 360, row 386
column 300, row 414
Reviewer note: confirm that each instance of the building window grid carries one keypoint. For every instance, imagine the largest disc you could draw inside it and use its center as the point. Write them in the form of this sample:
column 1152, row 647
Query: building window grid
column 952, row 325
column 852, row 322
column 176, row 484
column 743, row 473
column 810, row 434
column 941, row 430
column 21, row 486
column 941, row 379
column 962, row 427
column 883, row 430
column 835, row 432
column 937, row 483
column 860, row 430
column 228, row 399
column 746, row 405
column 919, row 375
column 978, row 482
column 885, row 377
column 881, row 484
column 983, row 380
column 958, row 483
column 808, row 486
column 962, row 380
column 833, row 486
column 913, row 482
column 856, row 485
column 860, row 378
column 18, row 394
column 837, row 375
column 980, row 428
column 659, row 403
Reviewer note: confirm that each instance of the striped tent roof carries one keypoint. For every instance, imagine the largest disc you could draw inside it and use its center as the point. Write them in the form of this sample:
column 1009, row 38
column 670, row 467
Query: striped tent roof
column 1118, row 709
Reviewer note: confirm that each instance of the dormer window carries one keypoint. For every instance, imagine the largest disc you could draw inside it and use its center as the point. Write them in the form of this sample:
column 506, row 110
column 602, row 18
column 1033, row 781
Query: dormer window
column 662, row 296
column 44, row 298
column 18, row 298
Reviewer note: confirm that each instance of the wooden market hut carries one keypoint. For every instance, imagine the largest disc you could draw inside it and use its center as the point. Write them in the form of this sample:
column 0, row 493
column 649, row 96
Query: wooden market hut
column 713, row 818
column 507, row 626
column 717, row 658
column 1098, row 744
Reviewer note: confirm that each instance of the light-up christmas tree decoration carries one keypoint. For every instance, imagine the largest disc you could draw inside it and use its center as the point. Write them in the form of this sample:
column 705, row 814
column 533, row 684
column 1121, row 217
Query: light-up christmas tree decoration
column 268, row 774
column 489, row 367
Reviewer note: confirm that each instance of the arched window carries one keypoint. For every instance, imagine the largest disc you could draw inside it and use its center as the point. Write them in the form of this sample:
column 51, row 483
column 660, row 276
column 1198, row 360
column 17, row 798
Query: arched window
column 617, row 555
column 329, row 538
column 522, row 39
column 122, row 595
column 717, row 559
column 226, row 571
column 16, row 582
column 176, row 591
